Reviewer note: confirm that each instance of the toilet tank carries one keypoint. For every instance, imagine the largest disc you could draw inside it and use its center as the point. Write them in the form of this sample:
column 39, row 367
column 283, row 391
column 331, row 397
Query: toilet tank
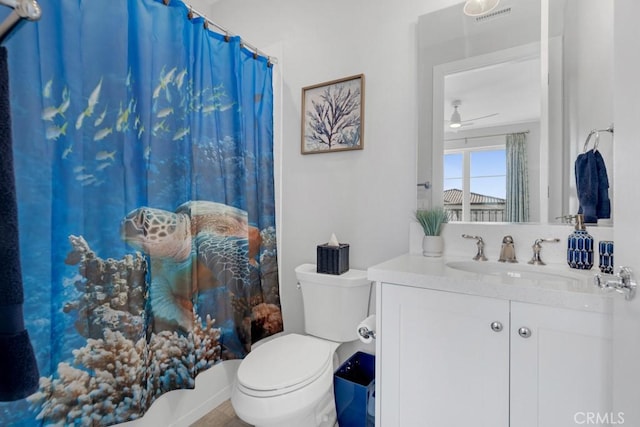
column 334, row 305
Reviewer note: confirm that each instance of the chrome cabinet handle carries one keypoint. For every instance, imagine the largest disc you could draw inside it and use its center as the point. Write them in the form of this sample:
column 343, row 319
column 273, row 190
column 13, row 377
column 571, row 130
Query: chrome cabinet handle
column 496, row 326
column 524, row 332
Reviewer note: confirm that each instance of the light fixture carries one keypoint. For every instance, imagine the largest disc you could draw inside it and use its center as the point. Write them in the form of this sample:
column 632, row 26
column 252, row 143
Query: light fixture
column 479, row 7
column 455, row 121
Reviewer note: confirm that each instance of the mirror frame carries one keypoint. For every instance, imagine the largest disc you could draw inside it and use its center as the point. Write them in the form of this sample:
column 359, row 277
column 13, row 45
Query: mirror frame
column 562, row 126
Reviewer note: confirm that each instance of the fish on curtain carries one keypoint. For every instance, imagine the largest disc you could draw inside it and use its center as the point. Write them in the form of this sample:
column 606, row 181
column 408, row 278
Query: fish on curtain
column 147, row 206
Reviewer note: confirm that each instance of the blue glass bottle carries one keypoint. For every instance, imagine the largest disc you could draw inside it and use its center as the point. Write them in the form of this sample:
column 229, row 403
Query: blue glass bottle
column 606, row 256
column 580, row 246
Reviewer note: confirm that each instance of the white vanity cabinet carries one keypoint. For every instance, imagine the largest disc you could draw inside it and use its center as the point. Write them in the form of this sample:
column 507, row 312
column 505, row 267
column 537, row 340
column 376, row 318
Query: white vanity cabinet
column 561, row 369
column 441, row 364
column 450, row 359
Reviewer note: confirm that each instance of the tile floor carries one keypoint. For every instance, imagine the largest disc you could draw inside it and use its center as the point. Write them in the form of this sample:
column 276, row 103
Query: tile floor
column 222, row 416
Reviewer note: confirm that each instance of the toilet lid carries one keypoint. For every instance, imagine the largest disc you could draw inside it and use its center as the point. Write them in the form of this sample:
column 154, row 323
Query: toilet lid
column 285, row 362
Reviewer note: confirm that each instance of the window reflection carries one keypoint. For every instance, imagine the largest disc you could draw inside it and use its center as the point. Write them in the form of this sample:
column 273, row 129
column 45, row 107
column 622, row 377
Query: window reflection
column 475, row 184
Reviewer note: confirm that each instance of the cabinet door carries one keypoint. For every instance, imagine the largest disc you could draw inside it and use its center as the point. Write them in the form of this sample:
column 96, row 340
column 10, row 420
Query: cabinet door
column 441, row 364
column 561, row 373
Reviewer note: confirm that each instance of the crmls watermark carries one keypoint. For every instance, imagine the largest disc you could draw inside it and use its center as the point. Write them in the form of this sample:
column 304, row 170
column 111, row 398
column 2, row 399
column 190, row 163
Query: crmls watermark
column 599, row 418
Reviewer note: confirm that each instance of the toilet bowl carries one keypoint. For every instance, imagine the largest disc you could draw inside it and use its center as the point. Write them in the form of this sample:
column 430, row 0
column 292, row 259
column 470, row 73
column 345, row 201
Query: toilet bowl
column 288, row 381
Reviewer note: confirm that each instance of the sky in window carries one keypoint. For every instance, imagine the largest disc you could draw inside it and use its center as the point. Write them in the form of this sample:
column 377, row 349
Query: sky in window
column 488, row 172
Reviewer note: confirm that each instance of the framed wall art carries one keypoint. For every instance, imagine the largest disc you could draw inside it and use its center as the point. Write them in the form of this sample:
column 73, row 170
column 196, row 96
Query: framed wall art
column 333, row 116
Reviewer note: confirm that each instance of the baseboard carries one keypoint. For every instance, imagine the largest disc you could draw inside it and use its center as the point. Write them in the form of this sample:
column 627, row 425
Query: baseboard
column 207, row 406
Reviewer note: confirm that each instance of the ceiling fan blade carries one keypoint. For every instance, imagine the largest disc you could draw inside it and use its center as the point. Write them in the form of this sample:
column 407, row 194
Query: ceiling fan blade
column 481, row 117
column 462, row 125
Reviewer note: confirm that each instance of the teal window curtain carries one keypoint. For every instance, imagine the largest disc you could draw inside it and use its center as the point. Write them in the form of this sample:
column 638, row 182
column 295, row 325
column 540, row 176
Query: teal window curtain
column 517, row 204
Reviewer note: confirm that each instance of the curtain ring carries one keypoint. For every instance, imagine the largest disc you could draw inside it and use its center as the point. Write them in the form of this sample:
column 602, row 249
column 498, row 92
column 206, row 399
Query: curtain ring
column 166, row 2
column 190, row 14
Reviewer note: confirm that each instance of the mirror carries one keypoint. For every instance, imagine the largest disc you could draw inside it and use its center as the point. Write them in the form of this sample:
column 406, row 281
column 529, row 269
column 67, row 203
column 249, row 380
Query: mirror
column 486, row 100
column 487, row 72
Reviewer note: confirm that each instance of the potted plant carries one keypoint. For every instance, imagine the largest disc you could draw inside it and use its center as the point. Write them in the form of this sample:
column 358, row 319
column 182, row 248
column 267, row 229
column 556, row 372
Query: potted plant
column 431, row 221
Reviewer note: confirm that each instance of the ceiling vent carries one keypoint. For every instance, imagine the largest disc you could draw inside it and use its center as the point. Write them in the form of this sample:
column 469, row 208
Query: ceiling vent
column 493, row 15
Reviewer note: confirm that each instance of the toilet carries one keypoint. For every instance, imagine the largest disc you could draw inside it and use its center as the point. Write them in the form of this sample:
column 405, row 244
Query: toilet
column 288, row 381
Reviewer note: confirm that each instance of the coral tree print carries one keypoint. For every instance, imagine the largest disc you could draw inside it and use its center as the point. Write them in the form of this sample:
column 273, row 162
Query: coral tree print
column 333, row 116
column 146, row 202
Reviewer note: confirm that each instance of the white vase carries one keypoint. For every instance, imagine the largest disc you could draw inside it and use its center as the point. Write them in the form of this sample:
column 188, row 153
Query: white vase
column 432, row 246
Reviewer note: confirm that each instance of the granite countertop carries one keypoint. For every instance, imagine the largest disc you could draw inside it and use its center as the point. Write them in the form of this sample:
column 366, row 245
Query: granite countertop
column 553, row 284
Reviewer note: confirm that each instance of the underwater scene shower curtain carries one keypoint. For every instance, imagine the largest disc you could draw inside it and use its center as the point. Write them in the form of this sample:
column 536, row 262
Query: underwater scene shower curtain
column 143, row 150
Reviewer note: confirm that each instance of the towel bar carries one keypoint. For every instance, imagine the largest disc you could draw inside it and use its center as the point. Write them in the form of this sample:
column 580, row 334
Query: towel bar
column 595, row 132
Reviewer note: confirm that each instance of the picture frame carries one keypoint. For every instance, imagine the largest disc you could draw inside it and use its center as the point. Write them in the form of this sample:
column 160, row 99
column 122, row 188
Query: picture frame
column 323, row 131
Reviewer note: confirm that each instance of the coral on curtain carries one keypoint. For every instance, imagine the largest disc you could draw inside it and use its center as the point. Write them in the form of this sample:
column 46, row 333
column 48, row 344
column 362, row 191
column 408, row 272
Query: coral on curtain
column 517, row 203
column 143, row 148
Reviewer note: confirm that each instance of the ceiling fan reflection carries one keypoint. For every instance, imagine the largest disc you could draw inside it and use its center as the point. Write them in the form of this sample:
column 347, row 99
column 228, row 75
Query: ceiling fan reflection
column 456, row 122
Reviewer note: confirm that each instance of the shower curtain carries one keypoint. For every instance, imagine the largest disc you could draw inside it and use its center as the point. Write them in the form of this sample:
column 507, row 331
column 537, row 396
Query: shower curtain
column 143, row 151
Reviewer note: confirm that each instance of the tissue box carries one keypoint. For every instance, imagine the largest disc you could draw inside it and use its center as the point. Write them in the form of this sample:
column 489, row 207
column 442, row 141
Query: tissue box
column 333, row 259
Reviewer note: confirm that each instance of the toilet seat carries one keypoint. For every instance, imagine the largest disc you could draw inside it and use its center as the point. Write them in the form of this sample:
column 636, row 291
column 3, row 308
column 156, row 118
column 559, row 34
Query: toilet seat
column 284, row 365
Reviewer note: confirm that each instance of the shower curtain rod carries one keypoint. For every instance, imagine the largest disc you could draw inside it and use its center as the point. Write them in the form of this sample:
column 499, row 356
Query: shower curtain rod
column 271, row 59
column 483, row 136
column 27, row 9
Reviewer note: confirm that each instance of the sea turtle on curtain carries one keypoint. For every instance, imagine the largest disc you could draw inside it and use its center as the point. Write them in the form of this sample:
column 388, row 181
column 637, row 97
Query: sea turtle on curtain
column 199, row 246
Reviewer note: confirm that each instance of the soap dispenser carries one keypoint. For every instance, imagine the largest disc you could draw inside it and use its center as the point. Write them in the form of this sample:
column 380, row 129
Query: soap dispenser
column 580, row 246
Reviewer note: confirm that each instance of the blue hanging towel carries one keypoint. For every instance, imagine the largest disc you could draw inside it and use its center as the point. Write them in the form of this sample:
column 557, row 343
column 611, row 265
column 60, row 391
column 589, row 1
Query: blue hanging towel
column 18, row 369
column 603, row 207
column 592, row 185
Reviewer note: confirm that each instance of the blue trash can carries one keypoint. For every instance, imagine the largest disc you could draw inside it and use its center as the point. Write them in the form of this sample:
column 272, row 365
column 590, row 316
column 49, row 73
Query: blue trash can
column 354, row 389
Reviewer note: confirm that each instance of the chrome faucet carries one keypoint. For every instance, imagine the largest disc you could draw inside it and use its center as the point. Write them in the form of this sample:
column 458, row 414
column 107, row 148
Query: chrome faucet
column 508, row 250
column 537, row 247
column 480, row 243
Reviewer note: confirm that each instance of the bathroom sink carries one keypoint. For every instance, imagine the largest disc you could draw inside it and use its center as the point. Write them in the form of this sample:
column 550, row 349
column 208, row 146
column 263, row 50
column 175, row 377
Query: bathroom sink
column 520, row 273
